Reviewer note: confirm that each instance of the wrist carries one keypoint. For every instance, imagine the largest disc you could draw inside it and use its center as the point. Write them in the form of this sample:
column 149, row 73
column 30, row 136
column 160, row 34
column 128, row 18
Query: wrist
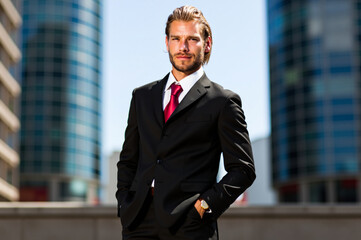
column 204, row 205
column 201, row 207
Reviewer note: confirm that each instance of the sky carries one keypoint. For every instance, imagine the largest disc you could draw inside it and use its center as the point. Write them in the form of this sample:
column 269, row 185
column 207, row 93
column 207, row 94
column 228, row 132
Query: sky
column 134, row 54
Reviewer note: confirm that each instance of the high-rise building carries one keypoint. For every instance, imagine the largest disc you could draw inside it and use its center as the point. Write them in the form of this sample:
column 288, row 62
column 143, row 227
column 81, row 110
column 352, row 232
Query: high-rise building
column 10, row 22
column 61, row 100
column 314, row 63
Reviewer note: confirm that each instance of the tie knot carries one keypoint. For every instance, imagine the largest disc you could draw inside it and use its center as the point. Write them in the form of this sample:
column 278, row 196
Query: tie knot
column 176, row 89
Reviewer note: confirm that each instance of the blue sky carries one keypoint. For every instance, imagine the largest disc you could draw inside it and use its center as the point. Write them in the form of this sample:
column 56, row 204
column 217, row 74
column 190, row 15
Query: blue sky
column 135, row 54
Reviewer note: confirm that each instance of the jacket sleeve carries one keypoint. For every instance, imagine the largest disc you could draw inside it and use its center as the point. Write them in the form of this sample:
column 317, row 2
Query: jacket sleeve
column 128, row 159
column 237, row 156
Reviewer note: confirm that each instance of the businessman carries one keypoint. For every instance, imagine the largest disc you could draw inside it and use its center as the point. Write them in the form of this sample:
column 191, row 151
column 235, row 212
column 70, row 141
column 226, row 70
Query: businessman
column 177, row 129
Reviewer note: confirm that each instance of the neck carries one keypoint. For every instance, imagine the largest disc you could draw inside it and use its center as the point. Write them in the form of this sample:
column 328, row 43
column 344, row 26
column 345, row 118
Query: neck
column 178, row 75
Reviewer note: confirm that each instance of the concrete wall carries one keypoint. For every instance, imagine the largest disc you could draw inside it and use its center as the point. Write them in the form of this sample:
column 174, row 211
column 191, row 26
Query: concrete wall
column 72, row 221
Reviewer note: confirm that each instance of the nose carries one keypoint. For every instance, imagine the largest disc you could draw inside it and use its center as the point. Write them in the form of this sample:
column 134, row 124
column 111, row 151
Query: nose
column 183, row 46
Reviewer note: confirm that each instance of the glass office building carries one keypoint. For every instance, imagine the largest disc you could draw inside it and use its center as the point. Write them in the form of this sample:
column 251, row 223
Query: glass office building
column 10, row 55
column 314, row 64
column 60, row 135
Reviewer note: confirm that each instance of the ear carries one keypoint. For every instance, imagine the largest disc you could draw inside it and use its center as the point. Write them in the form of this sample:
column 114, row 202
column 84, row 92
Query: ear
column 208, row 45
column 166, row 43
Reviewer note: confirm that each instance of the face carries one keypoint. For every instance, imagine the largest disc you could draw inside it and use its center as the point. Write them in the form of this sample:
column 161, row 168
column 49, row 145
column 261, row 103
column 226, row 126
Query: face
column 186, row 47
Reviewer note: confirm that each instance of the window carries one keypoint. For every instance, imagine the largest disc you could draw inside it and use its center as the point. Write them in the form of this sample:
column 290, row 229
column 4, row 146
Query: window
column 346, row 190
column 289, row 193
column 317, row 192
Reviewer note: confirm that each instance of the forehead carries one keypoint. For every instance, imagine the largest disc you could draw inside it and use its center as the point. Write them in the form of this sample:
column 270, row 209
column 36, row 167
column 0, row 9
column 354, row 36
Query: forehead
column 185, row 28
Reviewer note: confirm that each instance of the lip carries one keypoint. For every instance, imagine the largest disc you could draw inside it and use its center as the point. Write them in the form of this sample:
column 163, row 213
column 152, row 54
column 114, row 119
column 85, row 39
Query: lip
column 183, row 57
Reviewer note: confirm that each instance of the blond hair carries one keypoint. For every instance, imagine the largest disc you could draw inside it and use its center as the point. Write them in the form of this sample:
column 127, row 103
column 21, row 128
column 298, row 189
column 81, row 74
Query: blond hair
column 189, row 13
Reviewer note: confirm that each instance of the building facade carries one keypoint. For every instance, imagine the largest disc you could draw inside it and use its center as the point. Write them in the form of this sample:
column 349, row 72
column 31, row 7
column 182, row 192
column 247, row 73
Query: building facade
column 10, row 55
column 261, row 192
column 111, row 180
column 61, row 100
column 314, row 64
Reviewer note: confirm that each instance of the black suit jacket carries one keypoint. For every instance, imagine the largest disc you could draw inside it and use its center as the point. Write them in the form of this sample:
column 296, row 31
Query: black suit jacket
column 183, row 154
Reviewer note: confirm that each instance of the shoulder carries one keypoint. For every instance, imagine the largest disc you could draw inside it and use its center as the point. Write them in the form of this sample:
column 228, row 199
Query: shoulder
column 216, row 90
column 149, row 87
column 219, row 96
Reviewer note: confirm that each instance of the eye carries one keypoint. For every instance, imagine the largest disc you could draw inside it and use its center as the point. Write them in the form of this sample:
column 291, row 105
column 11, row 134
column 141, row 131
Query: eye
column 194, row 39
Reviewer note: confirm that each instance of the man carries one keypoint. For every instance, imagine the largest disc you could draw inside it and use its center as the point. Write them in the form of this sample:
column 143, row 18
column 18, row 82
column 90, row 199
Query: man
column 177, row 129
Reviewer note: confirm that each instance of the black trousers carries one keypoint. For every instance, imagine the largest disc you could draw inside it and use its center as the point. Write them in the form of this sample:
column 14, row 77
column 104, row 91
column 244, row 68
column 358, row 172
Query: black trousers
column 190, row 227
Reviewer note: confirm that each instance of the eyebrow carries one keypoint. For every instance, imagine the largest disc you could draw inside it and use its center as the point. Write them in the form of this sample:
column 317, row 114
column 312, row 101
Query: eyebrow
column 190, row 36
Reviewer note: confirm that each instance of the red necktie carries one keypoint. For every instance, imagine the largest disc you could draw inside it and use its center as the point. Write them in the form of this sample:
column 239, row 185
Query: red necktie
column 173, row 103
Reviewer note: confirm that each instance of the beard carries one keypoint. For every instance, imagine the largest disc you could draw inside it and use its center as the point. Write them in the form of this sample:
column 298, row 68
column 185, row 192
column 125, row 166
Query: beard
column 185, row 67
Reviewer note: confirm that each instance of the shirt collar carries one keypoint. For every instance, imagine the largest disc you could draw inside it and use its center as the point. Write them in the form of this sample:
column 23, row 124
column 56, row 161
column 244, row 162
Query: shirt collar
column 187, row 82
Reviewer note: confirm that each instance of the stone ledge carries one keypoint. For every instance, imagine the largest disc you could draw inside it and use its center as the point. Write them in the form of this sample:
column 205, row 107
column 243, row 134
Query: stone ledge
column 56, row 209
column 81, row 209
column 295, row 211
column 74, row 221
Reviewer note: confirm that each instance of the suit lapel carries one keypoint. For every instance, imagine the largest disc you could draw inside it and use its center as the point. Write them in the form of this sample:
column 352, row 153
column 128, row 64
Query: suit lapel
column 197, row 91
column 157, row 93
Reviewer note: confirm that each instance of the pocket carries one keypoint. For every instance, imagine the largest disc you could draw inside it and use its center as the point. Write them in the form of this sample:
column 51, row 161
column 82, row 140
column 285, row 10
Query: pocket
column 193, row 214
